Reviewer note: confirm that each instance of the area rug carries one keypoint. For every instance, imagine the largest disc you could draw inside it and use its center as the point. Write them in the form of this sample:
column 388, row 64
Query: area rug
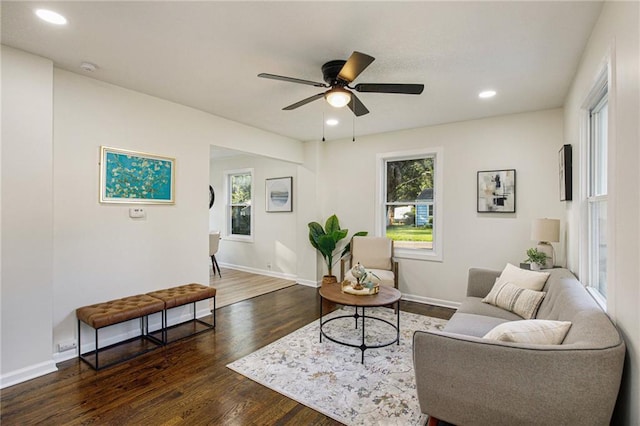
column 330, row 378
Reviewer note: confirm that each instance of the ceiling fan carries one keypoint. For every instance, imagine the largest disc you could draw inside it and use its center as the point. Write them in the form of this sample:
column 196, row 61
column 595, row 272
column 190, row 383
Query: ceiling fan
column 338, row 75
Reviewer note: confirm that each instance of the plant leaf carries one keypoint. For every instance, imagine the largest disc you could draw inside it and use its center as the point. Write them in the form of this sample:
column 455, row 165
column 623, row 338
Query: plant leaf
column 332, row 224
column 315, row 232
column 339, row 234
column 326, row 245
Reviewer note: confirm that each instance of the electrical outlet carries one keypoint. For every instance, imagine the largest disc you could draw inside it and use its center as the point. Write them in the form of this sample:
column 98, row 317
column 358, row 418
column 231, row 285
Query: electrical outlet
column 63, row 347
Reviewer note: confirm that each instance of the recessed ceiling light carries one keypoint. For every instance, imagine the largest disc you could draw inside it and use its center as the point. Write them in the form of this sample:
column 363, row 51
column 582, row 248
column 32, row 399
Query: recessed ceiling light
column 51, row 17
column 332, row 122
column 487, row 94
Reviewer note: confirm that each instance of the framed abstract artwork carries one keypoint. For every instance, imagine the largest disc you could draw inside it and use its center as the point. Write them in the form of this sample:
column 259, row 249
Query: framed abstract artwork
column 497, row 191
column 565, row 169
column 136, row 178
column 279, row 194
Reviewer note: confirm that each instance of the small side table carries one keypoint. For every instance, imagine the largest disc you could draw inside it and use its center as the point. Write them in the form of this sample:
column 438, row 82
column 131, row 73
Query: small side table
column 386, row 296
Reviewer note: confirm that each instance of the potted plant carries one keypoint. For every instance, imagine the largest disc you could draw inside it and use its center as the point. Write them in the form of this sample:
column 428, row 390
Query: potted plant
column 536, row 259
column 326, row 240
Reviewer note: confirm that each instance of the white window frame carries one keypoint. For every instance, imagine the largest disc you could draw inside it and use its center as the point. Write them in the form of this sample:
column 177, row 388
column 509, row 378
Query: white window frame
column 601, row 88
column 436, row 253
column 228, row 205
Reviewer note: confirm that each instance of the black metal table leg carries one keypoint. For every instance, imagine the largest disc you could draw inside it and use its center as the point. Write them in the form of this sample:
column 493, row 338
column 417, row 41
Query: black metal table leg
column 320, row 319
column 398, row 323
column 363, row 347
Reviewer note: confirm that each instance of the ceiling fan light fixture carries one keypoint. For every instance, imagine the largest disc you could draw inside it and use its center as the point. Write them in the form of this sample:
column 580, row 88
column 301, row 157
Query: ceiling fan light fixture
column 338, row 97
column 337, row 76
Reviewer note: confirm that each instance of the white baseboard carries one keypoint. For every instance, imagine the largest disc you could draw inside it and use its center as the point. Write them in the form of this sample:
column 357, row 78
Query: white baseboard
column 27, row 373
column 266, row 272
column 430, row 301
column 316, row 284
column 65, row 355
column 309, row 283
column 269, row 273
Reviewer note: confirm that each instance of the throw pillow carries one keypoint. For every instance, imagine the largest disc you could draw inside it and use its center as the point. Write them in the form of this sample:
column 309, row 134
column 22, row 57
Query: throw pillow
column 543, row 332
column 532, row 280
column 515, row 299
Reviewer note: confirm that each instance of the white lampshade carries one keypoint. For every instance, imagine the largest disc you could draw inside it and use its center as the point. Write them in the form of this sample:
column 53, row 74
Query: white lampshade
column 547, row 230
column 338, row 97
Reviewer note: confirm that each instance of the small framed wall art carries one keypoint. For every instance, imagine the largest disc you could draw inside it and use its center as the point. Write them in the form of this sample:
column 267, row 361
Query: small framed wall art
column 279, row 194
column 136, row 178
column 565, row 168
column 497, row 191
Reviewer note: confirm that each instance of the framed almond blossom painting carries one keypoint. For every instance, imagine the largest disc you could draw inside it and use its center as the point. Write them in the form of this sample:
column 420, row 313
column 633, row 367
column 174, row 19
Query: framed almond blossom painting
column 135, row 177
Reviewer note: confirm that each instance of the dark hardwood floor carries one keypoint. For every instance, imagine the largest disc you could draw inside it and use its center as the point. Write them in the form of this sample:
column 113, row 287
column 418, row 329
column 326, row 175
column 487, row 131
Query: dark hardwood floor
column 185, row 382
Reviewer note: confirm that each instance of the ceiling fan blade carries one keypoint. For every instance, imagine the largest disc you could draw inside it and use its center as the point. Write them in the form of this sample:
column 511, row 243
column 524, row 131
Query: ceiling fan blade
column 356, row 63
column 407, row 89
column 303, row 102
column 357, row 107
column 292, row 80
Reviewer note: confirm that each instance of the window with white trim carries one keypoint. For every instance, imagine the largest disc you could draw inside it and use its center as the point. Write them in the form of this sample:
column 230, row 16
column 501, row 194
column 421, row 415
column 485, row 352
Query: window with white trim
column 239, row 189
column 596, row 196
column 410, row 202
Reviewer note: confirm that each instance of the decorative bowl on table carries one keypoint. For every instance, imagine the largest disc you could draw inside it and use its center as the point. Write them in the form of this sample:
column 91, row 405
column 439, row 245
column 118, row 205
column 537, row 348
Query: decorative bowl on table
column 359, row 289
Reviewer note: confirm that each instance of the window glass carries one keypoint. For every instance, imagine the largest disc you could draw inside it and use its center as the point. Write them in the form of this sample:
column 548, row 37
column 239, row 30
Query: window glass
column 597, row 194
column 409, row 202
column 240, row 190
column 598, row 250
column 599, row 148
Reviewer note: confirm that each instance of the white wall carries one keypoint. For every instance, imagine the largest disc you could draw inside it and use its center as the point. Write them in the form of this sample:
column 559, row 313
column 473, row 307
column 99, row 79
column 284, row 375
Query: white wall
column 61, row 248
column 527, row 142
column 309, row 209
column 27, row 221
column 274, row 234
column 99, row 252
column 616, row 36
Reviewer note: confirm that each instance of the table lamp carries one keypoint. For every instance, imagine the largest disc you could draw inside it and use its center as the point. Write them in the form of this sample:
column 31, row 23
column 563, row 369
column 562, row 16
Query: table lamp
column 546, row 231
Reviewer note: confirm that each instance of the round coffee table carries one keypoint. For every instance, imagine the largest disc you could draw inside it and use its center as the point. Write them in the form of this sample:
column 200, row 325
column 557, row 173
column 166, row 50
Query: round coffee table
column 386, row 296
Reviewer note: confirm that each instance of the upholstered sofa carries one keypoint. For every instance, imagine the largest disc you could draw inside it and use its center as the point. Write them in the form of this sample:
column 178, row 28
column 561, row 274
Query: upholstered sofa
column 465, row 379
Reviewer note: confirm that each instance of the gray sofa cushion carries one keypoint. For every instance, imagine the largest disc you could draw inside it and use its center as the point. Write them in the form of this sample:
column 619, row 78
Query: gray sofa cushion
column 474, row 305
column 472, row 325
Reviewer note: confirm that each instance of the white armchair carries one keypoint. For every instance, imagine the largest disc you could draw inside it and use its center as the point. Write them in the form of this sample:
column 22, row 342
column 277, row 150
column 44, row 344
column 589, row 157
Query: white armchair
column 376, row 255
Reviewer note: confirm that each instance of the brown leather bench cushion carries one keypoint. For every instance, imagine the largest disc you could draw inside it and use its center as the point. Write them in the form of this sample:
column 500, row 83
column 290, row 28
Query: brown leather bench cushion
column 115, row 311
column 183, row 294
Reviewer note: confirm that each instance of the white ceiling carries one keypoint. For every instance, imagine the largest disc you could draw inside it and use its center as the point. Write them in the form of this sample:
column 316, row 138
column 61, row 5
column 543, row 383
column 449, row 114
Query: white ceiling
column 207, row 55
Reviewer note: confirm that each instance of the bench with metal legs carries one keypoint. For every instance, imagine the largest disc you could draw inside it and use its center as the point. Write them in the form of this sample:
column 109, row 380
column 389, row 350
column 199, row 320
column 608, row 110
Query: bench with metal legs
column 179, row 296
column 106, row 314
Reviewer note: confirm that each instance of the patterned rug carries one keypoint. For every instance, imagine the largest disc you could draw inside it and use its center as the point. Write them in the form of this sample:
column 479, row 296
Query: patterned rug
column 330, row 378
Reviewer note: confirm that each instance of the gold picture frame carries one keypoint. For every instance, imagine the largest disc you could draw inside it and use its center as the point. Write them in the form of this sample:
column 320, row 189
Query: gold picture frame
column 131, row 177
